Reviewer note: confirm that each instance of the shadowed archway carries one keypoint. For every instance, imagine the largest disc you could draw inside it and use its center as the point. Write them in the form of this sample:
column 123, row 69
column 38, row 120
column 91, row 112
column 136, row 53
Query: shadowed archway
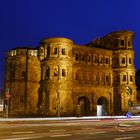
column 104, row 105
column 84, row 104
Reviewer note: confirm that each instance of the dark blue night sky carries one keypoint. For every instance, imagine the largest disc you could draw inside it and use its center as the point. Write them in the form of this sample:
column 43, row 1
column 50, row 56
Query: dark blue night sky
column 26, row 22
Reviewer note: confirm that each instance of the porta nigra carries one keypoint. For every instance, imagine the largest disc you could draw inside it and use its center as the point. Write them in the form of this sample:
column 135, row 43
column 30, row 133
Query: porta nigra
column 61, row 78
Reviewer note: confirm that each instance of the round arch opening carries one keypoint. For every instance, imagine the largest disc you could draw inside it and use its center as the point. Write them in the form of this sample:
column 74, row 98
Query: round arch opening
column 84, row 106
column 102, row 106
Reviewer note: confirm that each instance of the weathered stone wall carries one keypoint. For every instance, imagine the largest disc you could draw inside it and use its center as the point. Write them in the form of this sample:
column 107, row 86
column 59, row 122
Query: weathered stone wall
column 60, row 78
column 22, row 80
column 56, row 79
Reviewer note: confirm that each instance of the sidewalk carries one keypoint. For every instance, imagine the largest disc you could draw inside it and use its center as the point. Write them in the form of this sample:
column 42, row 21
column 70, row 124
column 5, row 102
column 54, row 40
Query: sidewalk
column 70, row 118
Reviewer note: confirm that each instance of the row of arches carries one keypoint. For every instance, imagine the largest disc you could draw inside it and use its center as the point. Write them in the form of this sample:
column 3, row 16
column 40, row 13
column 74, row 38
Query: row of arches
column 84, row 107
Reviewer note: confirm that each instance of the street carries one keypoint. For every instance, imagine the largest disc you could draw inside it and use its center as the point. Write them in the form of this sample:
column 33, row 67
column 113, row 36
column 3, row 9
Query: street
column 92, row 129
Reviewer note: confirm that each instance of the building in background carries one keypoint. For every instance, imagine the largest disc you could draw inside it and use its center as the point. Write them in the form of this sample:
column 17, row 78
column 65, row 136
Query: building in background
column 60, row 78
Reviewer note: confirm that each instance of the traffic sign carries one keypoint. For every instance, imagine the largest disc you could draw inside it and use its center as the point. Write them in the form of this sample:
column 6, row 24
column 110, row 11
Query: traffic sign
column 128, row 114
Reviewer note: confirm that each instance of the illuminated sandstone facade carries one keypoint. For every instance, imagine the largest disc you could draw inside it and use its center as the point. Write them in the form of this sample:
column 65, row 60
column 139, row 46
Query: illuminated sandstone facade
column 22, row 80
column 60, row 78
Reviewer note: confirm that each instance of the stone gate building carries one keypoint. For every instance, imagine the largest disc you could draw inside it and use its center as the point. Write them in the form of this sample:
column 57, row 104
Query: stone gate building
column 60, row 78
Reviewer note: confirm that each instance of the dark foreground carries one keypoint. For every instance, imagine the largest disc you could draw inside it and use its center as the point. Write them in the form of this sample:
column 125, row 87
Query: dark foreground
column 93, row 129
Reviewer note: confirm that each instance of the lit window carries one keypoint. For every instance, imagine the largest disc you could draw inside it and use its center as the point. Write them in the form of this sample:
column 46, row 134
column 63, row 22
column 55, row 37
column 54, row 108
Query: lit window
column 13, row 53
column 35, row 52
column 32, row 52
column 63, row 51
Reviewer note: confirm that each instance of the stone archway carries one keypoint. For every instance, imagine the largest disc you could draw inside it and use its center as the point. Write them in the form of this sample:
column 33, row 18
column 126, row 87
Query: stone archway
column 102, row 106
column 84, row 106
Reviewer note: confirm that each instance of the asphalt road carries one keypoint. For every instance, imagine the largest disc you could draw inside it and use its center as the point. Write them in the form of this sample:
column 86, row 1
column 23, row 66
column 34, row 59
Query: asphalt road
column 71, row 130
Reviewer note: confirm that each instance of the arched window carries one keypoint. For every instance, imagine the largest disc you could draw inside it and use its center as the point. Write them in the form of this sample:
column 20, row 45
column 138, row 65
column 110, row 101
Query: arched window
column 63, row 72
column 124, row 78
column 63, row 51
column 130, row 60
column 123, row 60
column 47, row 75
column 101, row 59
column 55, row 50
column 55, row 72
column 88, row 58
column 96, row 59
column 76, row 56
column 48, row 51
column 131, row 78
column 122, row 42
column 107, row 61
column 96, row 78
column 107, row 78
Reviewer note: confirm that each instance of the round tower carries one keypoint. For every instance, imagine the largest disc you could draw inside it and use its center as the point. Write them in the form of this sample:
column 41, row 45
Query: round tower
column 22, row 80
column 55, row 96
column 124, row 71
